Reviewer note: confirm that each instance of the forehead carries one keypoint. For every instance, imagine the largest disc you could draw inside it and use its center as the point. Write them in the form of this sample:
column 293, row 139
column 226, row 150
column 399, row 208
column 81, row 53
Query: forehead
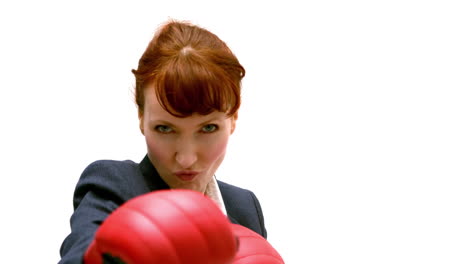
column 153, row 111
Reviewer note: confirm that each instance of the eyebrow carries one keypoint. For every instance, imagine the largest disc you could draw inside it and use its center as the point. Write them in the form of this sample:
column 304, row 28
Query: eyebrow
column 172, row 125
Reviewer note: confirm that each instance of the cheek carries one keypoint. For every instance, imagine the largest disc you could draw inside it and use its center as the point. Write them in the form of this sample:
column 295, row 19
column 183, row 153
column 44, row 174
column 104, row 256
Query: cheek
column 217, row 149
column 158, row 150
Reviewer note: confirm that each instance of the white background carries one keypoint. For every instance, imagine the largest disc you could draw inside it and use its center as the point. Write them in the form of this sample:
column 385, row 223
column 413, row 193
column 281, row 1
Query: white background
column 352, row 133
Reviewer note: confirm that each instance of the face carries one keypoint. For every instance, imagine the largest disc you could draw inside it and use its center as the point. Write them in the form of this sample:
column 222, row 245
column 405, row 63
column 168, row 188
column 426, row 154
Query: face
column 186, row 152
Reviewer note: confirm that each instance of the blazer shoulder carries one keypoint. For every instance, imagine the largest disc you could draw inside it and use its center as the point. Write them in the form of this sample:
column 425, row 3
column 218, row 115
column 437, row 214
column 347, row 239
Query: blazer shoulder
column 231, row 188
column 237, row 195
column 243, row 205
column 110, row 177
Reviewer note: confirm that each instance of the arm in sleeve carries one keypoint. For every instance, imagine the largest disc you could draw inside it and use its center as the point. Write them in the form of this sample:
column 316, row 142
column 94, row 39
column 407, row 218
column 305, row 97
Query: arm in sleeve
column 260, row 215
column 98, row 193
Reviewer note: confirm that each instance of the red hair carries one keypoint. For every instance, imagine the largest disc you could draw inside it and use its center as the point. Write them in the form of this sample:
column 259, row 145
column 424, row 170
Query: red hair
column 191, row 71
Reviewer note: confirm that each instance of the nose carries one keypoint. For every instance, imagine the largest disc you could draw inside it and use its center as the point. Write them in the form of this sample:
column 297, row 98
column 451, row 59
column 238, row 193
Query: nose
column 186, row 156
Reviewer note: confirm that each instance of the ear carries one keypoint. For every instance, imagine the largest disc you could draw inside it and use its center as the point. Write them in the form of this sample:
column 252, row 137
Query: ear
column 233, row 122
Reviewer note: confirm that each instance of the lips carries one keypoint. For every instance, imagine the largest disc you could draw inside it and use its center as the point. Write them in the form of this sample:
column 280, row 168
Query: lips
column 186, row 175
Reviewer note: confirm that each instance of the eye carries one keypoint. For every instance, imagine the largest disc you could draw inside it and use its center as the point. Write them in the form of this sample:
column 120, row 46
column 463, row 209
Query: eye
column 163, row 129
column 210, row 128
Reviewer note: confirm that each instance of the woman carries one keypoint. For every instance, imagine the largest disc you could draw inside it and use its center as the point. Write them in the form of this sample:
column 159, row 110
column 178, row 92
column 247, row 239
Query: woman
column 187, row 91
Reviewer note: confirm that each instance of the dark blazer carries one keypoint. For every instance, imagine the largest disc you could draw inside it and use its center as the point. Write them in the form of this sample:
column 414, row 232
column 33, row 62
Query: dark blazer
column 107, row 184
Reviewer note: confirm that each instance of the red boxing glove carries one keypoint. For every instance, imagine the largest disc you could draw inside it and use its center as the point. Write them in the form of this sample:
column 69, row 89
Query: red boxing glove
column 170, row 227
column 253, row 248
